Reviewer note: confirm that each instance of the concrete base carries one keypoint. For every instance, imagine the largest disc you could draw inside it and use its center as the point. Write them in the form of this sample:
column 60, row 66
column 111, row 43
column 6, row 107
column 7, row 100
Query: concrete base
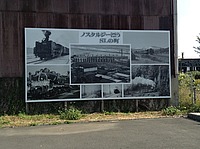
column 194, row 116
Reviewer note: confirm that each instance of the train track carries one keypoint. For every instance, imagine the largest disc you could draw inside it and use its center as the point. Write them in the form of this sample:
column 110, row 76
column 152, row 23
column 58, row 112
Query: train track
column 53, row 60
column 36, row 62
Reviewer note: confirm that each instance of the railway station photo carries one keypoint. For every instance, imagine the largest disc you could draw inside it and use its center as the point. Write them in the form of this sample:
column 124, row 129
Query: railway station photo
column 100, row 64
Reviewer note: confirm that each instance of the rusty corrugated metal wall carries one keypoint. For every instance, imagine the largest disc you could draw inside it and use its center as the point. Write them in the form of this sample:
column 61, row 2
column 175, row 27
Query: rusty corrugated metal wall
column 91, row 14
column 15, row 15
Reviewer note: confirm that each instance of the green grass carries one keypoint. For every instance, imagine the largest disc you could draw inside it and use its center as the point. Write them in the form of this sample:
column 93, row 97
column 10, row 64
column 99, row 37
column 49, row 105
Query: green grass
column 74, row 115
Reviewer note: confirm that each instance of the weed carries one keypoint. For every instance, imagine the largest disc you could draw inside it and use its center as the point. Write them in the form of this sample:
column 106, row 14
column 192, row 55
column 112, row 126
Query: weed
column 194, row 108
column 108, row 113
column 3, row 121
column 70, row 114
column 171, row 111
column 22, row 115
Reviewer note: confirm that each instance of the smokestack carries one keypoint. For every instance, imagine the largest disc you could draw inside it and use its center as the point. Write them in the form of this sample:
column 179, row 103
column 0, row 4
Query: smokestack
column 182, row 55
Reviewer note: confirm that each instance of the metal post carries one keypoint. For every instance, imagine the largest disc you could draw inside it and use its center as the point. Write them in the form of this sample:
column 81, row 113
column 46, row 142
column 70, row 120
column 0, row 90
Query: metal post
column 194, row 98
column 65, row 105
column 27, row 108
column 136, row 105
column 102, row 105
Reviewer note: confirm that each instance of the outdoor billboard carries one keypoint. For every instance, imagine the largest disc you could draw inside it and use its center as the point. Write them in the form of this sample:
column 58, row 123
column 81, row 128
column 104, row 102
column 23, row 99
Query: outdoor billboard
column 77, row 64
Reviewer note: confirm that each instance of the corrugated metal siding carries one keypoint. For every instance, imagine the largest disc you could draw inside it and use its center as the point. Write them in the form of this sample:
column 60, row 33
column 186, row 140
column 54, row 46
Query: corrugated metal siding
column 93, row 14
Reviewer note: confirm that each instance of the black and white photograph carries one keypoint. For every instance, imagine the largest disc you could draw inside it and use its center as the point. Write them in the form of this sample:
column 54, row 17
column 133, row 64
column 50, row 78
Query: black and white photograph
column 112, row 91
column 100, row 64
column 50, row 82
column 61, row 67
column 148, row 47
column 148, row 81
column 48, row 46
column 91, row 91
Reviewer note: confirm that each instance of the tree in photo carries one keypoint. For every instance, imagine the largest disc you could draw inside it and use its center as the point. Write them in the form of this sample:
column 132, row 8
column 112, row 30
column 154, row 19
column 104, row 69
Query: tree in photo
column 197, row 49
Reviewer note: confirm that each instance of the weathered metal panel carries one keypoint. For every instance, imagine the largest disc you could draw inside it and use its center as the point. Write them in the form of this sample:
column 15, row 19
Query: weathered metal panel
column 155, row 7
column 93, row 14
column 76, row 6
column 92, row 21
column 91, row 7
column 9, row 20
column 114, row 7
column 10, row 45
column 151, row 22
column 1, row 45
column 60, row 20
column 44, row 5
column 60, row 6
column 135, row 7
column 76, row 21
column 120, row 8
column 165, row 23
column 115, row 22
column 27, row 19
column 136, row 22
column 106, row 21
column 27, row 6
column 106, row 7
column 44, row 20
column 9, row 5
column 124, row 22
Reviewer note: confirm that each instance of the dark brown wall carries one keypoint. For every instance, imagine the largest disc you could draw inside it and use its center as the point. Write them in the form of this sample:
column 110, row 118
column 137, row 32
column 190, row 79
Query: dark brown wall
column 15, row 15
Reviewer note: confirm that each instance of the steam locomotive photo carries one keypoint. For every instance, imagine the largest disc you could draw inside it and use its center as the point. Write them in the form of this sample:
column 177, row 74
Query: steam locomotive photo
column 47, row 49
column 46, row 84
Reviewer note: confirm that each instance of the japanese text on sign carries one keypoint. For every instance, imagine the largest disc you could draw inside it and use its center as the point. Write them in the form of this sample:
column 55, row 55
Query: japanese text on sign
column 103, row 37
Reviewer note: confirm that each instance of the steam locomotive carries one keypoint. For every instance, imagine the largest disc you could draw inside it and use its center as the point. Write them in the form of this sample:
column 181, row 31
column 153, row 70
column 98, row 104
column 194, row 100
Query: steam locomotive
column 47, row 84
column 47, row 49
